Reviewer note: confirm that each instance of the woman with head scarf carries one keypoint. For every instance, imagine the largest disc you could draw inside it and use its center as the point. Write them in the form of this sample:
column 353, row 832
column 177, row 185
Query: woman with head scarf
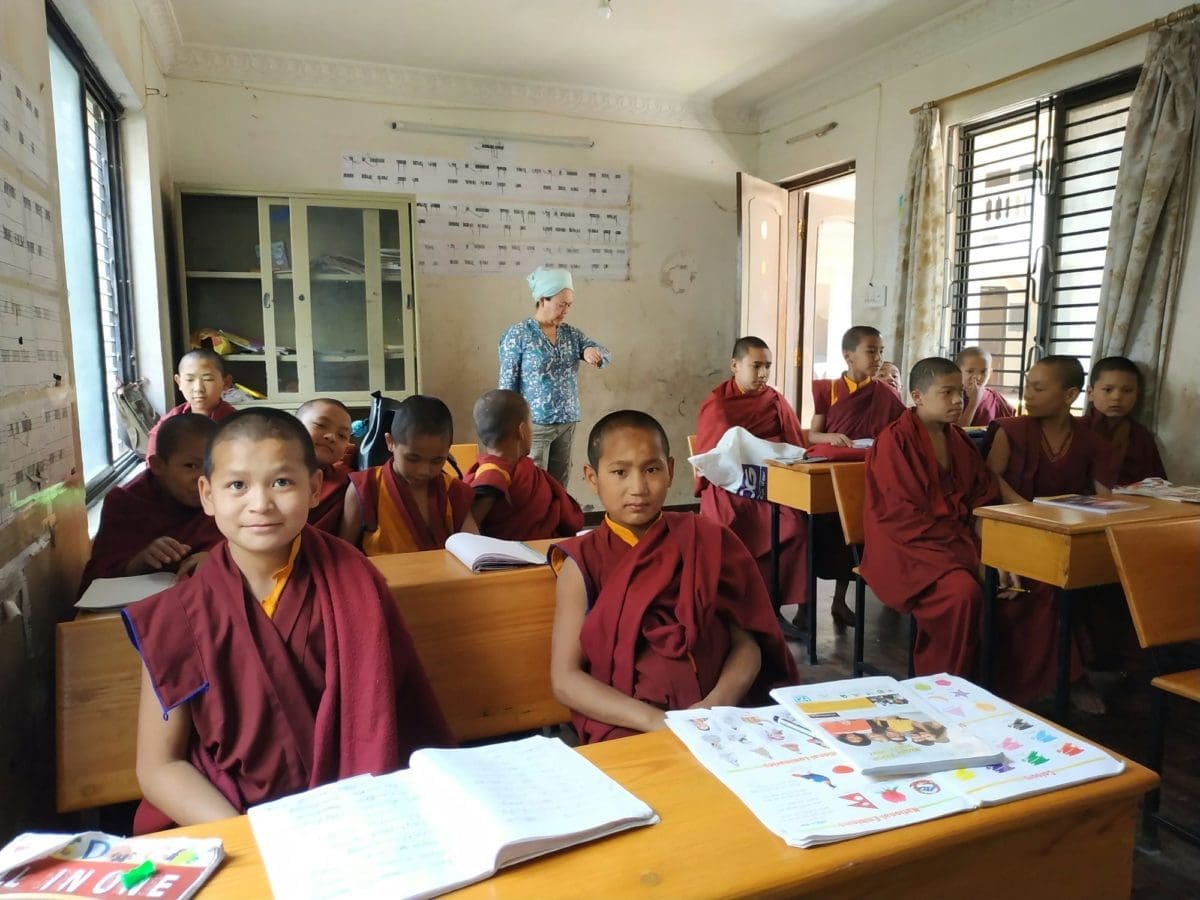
column 540, row 357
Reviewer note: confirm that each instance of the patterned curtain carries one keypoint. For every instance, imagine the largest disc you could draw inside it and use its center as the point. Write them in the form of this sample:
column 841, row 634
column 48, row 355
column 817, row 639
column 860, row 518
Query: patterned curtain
column 922, row 250
column 1150, row 208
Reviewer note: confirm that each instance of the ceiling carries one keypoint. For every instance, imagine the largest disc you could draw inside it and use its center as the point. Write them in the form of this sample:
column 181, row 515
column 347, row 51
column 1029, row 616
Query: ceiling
column 732, row 54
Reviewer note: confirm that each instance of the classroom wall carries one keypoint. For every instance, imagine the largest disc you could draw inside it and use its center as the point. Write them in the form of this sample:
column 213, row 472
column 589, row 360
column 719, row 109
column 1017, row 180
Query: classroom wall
column 670, row 337
column 875, row 129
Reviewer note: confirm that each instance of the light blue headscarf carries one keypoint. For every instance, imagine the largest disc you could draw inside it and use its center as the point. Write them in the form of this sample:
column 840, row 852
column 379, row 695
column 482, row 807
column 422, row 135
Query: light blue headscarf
column 545, row 282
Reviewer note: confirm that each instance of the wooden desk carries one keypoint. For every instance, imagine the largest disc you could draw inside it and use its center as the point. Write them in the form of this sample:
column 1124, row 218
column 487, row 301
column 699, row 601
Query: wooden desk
column 484, row 639
column 1064, row 547
column 1077, row 842
column 807, row 487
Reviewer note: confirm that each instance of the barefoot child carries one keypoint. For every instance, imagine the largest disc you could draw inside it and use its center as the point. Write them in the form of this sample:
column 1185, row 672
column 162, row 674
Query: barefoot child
column 409, row 503
column 286, row 665
column 655, row 610
column 514, row 499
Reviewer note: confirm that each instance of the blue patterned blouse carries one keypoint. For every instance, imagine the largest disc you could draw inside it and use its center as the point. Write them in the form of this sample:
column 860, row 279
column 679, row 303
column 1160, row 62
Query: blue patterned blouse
column 544, row 373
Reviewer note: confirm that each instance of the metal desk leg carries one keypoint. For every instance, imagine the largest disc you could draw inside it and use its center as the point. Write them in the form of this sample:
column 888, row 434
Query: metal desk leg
column 1063, row 601
column 987, row 650
column 811, row 592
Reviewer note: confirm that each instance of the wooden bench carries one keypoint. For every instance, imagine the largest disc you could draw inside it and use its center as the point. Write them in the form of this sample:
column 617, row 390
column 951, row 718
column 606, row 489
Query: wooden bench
column 484, row 641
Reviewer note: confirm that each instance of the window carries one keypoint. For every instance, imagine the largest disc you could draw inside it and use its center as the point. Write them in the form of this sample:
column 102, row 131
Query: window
column 1032, row 200
column 94, row 251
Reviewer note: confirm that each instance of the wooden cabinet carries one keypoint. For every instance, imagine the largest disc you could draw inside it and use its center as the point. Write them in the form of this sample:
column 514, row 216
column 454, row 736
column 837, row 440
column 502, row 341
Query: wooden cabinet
column 313, row 294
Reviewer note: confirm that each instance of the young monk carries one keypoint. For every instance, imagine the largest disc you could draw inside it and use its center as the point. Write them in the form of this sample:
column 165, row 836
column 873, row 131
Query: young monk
column 889, row 373
column 409, row 503
column 1114, row 388
column 983, row 404
column 655, row 610
column 286, row 665
column 1046, row 452
column 856, row 405
column 515, row 499
column 155, row 522
column 201, row 379
column 328, row 424
column 746, row 400
column 921, row 553
column 853, row 407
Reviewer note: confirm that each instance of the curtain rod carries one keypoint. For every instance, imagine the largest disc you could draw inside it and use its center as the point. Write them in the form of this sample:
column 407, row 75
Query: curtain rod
column 1180, row 15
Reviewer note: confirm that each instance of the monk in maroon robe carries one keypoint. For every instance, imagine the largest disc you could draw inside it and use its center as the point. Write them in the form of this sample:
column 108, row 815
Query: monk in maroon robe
column 284, row 664
column 657, row 622
column 1045, row 453
column 410, row 502
column 328, row 423
column 1114, row 388
column 514, row 499
column 746, row 400
column 201, row 379
column 655, row 610
column 155, row 523
column 924, row 478
column 983, row 404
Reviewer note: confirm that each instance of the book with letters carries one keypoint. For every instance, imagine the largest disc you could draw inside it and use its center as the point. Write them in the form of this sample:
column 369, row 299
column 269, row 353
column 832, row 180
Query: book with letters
column 1090, row 503
column 91, row 863
column 114, row 593
column 1161, row 489
column 800, row 788
column 452, row 818
column 881, row 727
column 486, row 554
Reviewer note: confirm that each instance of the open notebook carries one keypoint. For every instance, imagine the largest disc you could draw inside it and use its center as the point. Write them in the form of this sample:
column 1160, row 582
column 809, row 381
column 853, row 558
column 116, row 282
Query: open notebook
column 452, row 818
column 485, row 554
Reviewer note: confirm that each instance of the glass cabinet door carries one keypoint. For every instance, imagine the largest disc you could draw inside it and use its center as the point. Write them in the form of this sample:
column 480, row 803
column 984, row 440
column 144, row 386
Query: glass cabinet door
column 279, row 308
column 396, row 292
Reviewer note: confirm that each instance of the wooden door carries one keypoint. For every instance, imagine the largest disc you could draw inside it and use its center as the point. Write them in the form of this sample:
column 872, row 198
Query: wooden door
column 763, row 237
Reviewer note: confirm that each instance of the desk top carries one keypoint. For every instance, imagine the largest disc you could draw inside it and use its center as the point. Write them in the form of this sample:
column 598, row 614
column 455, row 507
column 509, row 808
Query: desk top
column 440, row 566
column 708, row 842
column 1061, row 520
column 809, row 468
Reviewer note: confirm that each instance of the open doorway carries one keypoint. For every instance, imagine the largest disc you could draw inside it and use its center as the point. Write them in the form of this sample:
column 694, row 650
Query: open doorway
column 825, row 226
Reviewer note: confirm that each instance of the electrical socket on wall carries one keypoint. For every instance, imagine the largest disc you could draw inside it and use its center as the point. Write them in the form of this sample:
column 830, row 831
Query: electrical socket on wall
column 875, row 296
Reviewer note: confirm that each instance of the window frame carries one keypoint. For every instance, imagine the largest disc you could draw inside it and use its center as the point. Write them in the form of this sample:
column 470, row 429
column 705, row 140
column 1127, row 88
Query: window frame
column 93, row 86
column 1044, row 233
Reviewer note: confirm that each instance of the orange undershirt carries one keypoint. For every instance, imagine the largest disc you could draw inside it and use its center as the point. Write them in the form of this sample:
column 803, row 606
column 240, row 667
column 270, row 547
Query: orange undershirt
column 271, row 601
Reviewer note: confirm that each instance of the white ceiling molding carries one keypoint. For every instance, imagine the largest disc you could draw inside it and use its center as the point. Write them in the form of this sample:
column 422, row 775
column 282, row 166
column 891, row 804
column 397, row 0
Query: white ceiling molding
column 165, row 35
column 412, row 86
column 916, row 48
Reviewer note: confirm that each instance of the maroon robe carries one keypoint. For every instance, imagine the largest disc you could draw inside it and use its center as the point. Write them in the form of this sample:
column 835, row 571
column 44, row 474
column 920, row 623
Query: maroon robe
column 859, row 414
column 327, row 514
column 396, row 508
column 1027, row 653
column 329, row 687
column 223, row 411
column 767, row 415
column 920, row 550
column 656, row 627
column 992, row 406
column 1134, row 450
column 530, row 503
column 137, row 513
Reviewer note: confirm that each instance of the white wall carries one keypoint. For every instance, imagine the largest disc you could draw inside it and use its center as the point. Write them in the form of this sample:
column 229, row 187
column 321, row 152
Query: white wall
column 875, row 130
column 669, row 348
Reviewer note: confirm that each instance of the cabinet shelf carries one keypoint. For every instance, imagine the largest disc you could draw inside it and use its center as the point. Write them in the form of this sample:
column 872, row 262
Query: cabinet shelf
column 246, row 276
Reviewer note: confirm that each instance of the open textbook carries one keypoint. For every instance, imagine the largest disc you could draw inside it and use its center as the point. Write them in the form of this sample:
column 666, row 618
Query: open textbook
column 91, row 864
column 882, row 727
column 802, row 790
column 486, row 554
column 452, row 818
column 1090, row 503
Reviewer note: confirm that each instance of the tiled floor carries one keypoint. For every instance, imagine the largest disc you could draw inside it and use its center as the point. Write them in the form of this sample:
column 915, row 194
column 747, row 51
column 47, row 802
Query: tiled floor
column 1174, row 871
